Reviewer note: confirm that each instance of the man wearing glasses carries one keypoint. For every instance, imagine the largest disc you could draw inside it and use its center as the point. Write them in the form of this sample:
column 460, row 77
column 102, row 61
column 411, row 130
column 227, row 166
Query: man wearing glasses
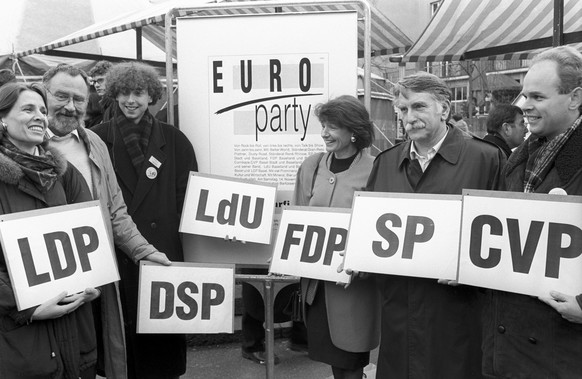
column 68, row 89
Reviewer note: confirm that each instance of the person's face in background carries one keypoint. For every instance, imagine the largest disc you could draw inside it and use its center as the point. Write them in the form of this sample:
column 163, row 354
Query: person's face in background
column 337, row 140
column 67, row 102
column 134, row 104
column 546, row 110
column 99, row 84
column 26, row 121
column 423, row 116
column 516, row 132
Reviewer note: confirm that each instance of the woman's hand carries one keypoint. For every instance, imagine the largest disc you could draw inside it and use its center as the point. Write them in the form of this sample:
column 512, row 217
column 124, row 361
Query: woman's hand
column 62, row 304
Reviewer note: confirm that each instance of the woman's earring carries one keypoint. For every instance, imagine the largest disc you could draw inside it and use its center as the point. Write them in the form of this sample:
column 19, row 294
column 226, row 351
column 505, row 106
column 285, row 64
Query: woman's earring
column 353, row 139
column 4, row 125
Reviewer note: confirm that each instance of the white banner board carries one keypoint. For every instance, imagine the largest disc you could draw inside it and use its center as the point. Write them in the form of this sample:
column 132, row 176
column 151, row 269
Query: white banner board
column 249, row 85
column 228, row 208
column 185, row 298
column 51, row 250
column 523, row 243
column 309, row 241
column 404, row 234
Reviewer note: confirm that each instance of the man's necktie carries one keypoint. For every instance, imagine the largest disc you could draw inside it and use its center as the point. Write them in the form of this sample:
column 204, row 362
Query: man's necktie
column 414, row 172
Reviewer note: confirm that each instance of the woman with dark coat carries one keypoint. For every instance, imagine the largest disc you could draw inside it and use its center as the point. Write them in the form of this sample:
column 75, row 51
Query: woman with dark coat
column 152, row 161
column 342, row 323
column 56, row 339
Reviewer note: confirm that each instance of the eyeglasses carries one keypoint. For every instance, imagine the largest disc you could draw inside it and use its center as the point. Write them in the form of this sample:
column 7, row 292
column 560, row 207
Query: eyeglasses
column 64, row 98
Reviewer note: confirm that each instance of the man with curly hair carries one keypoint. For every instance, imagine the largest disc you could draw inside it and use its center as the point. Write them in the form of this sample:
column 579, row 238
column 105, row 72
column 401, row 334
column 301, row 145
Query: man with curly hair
column 153, row 161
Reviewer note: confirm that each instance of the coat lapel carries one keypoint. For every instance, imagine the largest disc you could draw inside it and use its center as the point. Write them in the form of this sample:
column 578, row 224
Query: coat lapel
column 154, row 163
column 120, row 158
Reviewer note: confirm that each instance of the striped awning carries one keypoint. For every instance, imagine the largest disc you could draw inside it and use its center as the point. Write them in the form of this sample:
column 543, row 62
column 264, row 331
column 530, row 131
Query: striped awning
column 494, row 29
column 386, row 38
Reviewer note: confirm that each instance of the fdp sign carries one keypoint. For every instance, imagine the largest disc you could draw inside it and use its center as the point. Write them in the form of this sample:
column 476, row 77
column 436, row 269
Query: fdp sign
column 185, row 298
column 309, row 243
column 56, row 249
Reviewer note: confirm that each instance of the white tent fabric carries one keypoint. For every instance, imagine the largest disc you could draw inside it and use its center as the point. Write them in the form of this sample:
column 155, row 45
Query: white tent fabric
column 386, row 37
column 493, row 29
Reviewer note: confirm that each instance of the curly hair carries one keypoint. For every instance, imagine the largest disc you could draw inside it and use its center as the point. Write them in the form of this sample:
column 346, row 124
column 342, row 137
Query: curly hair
column 100, row 69
column 10, row 92
column 348, row 112
column 126, row 77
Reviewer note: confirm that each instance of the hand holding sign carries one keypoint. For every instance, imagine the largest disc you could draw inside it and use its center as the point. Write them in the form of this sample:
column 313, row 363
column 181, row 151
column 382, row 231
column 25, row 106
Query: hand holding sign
column 54, row 308
column 566, row 305
column 158, row 257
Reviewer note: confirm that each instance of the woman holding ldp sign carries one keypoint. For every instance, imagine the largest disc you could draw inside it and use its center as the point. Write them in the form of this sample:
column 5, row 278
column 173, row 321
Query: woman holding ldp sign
column 56, row 339
column 342, row 323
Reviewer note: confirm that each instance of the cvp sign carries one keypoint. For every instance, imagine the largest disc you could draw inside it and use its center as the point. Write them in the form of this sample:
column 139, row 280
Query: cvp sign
column 226, row 207
column 309, row 242
column 524, row 243
column 405, row 234
column 185, row 298
column 56, row 249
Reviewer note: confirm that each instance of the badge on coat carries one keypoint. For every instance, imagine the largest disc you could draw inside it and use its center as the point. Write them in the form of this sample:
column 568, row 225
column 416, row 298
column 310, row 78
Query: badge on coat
column 151, row 173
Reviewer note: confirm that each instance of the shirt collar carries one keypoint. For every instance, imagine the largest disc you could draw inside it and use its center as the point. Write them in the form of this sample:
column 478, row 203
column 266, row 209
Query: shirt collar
column 431, row 152
column 52, row 135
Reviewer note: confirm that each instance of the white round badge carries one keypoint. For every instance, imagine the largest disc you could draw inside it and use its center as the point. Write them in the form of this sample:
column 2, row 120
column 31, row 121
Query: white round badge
column 151, row 173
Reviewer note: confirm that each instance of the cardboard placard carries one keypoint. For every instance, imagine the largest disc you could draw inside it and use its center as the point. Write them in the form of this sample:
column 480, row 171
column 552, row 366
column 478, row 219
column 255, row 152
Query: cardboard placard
column 404, row 234
column 223, row 207
column 523, row 243
column 185, row 298
column 309, row 241
column 51, row 250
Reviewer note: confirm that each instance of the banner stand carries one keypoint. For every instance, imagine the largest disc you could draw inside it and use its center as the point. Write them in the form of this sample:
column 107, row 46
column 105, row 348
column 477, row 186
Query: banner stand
column 269, row 286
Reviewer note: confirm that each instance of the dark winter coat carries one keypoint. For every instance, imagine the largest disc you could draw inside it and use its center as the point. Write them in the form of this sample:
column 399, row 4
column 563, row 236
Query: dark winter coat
column 430, row 330
column 56, row 348
column 524, row 337
column 155, row 204
column 498, row 141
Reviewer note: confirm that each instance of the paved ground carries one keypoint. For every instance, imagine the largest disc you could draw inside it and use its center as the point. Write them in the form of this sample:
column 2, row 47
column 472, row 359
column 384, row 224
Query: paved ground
column 224, row 361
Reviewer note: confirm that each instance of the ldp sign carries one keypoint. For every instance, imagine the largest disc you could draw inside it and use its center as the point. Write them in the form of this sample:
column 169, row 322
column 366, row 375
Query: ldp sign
column 56, row 249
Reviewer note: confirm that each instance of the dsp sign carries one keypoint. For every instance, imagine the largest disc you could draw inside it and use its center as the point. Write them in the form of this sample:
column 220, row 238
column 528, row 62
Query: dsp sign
column 523, row 243
column 404, row 234
column 309, row 242
column 185, row 298
column 57, row 249
column 223, row 207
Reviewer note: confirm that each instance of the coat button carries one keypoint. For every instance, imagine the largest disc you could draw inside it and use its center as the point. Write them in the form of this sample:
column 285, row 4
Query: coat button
column 153, row 225
column 501, row 329
column 532, row 340
column 331, row 180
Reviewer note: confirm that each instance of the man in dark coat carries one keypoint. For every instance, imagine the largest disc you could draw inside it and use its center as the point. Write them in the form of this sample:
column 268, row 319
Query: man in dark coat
column 430, row 328
column 152, row 161
column 523, row 336
column 506, row 127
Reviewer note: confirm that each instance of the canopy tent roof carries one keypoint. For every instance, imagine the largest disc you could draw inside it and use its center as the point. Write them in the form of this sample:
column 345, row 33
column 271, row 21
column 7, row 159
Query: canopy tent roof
column 386, row 37
column 494, row 29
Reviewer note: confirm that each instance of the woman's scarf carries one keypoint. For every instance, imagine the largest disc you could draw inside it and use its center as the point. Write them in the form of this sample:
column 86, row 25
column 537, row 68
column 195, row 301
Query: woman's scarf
column 136, row 137
column 40, row 169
